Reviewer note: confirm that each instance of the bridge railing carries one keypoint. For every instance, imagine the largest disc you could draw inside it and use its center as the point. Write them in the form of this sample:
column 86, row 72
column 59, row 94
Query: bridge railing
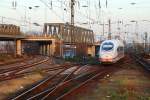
column 68, row 34
column 9, row 29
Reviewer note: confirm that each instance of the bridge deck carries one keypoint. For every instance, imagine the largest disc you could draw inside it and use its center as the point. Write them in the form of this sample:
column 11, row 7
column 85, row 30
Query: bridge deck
column 11, row 37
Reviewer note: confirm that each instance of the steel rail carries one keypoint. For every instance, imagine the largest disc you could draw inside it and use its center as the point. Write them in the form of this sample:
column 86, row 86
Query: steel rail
column 14, row 65
column 82, row 84
column 142, row 62
column 52, row 94
column 12, row 68
column 41, row 84
column 39, row 95
column 11, row 74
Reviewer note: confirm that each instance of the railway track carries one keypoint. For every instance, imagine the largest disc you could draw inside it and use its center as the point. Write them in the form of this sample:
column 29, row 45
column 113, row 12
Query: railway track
column 75, row 89
column 50, row 82
column 14, row 62
column 60, row 84
column 11, row 73
column 45, row 70
column 142, row 61
column 21, row 63
column 18, row 74
column 70, row 86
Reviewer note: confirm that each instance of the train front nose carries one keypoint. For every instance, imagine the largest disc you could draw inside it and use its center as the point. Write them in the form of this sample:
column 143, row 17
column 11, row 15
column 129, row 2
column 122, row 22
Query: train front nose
column 106, row 58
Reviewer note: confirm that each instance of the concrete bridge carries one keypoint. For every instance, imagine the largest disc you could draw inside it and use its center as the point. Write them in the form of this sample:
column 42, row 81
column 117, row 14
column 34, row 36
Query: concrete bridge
column 58, row 39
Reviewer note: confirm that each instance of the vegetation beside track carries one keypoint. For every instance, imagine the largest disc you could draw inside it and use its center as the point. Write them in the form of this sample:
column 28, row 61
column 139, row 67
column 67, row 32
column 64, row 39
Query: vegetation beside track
column 9, row 58
column 129, row 83
column 83, row 60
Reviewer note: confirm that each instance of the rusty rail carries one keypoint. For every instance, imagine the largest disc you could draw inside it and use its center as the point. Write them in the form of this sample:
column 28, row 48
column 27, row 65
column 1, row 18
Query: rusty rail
column 71, row 84
column 53, row 88
column 12, row 72
column 49, row 82
column 143, row 62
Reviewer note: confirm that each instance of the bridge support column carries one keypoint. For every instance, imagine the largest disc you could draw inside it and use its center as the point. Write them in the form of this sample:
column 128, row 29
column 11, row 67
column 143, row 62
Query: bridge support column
column 41, row 49
column 48, row 49
column 91, row 51
column 44, row 49
column 61, row 49
column 53, row 47
column 18, row 47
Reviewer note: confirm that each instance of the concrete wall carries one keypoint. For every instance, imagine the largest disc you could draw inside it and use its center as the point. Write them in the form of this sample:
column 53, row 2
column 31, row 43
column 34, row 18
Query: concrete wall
column 91, row 51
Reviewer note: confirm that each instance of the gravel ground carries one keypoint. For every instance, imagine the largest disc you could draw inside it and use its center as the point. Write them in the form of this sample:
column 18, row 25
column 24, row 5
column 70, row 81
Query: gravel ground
column 10, row 59
column 14, row 85
column 7, row 88
column 131, row 83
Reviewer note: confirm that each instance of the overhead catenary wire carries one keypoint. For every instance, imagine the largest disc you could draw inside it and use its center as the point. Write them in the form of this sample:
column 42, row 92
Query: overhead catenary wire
column 80, row 13
column 51, row 10
column 17, row 20
column 88, row 16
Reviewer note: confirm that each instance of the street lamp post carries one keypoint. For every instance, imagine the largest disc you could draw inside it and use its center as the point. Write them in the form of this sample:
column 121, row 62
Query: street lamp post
column 72, row 23
column 30, row 18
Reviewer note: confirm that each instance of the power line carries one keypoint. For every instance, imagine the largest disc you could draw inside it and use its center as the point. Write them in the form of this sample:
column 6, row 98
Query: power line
column 51, row 9
column 14, row 19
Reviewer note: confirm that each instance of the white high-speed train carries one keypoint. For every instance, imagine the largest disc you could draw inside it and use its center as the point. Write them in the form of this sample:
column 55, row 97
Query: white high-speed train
column 111, row 51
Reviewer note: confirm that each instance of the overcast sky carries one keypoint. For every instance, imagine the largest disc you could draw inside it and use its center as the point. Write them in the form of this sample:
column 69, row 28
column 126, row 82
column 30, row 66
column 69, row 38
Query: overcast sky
column 93, row 12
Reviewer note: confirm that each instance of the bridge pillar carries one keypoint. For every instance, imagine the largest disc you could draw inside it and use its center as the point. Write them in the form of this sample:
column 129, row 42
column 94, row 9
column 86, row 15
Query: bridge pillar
column 61, row 48
column 41, row 49
column 48, row 49
column 51, row 51
column 44, row 49
column 18, row 47
column 52, row 48
column 91, row 51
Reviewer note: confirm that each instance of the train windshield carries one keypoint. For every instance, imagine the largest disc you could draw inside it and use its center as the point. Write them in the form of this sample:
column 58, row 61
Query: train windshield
column 107, row 46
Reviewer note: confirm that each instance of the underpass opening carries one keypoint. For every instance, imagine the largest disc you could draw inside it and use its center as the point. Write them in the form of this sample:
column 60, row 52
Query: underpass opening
column 36, row 47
